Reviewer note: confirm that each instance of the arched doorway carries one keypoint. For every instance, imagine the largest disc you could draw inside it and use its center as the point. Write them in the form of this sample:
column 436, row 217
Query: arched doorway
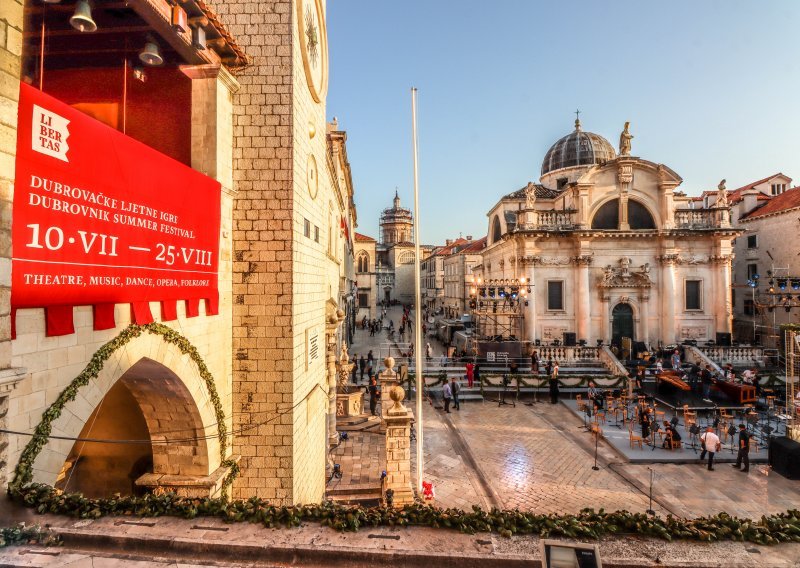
column 621, row 323
column 149, row 402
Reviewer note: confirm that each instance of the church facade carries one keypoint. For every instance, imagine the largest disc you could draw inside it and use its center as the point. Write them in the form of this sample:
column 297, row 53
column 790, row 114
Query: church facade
column 610, row 248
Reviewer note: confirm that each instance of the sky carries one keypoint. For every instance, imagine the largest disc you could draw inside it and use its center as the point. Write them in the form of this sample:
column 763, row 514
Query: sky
column 712, row 90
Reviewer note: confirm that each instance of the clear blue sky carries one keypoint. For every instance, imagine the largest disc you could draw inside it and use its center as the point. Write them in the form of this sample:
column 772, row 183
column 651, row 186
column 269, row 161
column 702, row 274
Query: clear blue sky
column 712, row 89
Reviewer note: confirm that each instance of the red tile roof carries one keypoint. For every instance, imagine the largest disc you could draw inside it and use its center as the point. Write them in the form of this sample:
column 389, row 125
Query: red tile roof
column 449, row 249
column 789, row 199
column 474, row 247
column 364, row 238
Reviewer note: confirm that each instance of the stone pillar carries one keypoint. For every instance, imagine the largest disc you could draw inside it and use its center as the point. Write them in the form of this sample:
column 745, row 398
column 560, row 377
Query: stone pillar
column 644, row 302
column 11, row 15
column 398, row 449
column 530, row 310
column 668, row 297
column 722, row 295
column 624, row 178
column 330, row 366
column 605, row 315
column 583, row 313
column 386, row 380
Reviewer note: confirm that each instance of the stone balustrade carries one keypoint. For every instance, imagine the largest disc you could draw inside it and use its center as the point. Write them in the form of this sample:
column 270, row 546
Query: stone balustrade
column 739, row 356
column 711, row 218
column 550, row 220
column 567, row 355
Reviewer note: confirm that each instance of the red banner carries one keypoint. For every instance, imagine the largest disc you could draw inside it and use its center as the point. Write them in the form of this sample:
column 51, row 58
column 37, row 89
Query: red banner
column 100, row 218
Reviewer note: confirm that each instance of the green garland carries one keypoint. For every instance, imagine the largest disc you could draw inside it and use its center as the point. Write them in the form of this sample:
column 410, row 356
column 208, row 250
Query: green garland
column 773, row 529
column 23, row 474
column 20, row 534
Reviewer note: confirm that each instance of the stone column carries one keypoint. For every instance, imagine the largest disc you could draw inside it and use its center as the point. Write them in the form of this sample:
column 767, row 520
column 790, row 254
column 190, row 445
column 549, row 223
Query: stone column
column 330, row 366
column 530, row 310
column 386, row 380
column 624, row 178
column 398, row 449
column 605, row 315
column 583, row 313
column 722, row 294
column 644, row 301
column 668, row 297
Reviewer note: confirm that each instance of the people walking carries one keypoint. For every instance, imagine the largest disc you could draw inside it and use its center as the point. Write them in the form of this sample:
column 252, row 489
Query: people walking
column 374, row 394
column 447, row 395
column 744, row 450
column 676, row 360
column 455, row 388
column 354, row 370
column 362, row 365
column 711, row 445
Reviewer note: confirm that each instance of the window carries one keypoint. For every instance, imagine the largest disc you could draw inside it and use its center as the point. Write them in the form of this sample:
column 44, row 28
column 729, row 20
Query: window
column 363, row 300
column 316, row 234
column 752, row 241
column 639, row 217
column 497, row 231
column 694, row 292
column 362, row 264
column 752, row 271
column 748, row 308
column 307, row 228
column 607, row 217
column 561, row 183
column 555, row 295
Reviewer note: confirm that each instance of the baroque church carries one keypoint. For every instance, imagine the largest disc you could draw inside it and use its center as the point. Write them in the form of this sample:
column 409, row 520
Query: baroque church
column 610, row 248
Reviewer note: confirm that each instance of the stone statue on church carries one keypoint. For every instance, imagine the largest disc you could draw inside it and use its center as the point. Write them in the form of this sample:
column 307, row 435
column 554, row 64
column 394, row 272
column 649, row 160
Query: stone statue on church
column 722, row 195
column 625, row 141
column 530, row 196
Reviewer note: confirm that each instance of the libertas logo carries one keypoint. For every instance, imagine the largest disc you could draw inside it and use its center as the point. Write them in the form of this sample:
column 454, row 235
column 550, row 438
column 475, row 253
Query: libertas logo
column 49, row 133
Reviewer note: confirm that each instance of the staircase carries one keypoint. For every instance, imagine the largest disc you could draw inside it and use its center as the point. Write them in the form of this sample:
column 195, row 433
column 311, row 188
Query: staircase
column 360, row 423
column 366, row 494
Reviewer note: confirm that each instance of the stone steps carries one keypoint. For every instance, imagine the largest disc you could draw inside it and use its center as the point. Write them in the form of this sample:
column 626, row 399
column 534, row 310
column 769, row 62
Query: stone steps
column 358, row 423
column 367, row 494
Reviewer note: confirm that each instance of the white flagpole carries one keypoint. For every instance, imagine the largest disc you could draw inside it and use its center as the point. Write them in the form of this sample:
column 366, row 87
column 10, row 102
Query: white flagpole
column 417, row 296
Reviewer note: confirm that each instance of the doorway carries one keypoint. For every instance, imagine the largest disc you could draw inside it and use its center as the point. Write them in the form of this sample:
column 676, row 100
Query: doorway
column 621, row 323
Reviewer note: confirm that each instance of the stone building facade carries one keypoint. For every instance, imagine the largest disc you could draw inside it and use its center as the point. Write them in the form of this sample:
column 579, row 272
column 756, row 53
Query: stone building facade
column 458, row 276
column 286, row 268
column 612, row 249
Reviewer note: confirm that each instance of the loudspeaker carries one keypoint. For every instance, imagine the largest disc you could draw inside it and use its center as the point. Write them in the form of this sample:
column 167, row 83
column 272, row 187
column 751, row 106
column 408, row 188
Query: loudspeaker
column 570, row 339
column 723, row 339
column 784, row 457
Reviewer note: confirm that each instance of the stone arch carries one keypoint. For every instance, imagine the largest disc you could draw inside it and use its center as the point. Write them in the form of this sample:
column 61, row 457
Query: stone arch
column 406, row 257
column 635, row 314
column 173, row 400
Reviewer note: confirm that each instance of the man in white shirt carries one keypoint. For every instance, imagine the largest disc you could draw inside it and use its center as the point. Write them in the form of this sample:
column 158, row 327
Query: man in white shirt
column 711, row 444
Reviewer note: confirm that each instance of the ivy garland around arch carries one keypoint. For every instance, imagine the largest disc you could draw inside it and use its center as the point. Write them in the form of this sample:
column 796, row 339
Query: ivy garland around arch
column 23, row 473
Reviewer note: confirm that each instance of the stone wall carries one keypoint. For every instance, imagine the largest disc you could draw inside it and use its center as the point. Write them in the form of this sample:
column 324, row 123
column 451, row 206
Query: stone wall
column 10, row 60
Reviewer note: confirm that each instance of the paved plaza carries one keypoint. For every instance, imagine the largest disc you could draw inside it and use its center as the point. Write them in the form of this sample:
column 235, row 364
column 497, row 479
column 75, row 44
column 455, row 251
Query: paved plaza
column 539, row 457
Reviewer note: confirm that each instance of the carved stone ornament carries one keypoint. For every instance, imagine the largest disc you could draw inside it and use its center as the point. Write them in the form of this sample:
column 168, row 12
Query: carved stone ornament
column 583, row 259
column 625, row 174
column 694, row 332
column 691, row 259
column 722, row 195
column 548, row 261
column 668, row 258
column 721, row 259
column 624, row 277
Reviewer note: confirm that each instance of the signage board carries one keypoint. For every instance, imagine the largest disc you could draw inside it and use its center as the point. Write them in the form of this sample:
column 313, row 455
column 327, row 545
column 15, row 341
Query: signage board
column 101, row 218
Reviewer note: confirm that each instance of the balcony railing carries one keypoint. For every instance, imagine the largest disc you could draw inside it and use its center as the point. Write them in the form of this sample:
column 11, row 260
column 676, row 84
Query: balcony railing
column 712, row 218
column 548, row 220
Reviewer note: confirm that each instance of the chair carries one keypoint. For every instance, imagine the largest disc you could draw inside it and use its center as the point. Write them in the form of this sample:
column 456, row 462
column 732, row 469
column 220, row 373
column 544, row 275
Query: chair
column 635, row 439
column 673, row 444
column 753, row 444
column 599, row 416
column 581, row 404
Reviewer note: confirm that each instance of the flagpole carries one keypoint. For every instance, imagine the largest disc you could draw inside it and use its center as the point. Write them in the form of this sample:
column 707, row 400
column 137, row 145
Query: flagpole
column 417, row 296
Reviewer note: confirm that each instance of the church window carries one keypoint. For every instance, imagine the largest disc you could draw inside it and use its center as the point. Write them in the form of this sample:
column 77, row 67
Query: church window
column 639, row 217
column 694, row 295
column 362, row 264
column 555, row 295
column 607, row 217
column 497, row 232
column 752, row 241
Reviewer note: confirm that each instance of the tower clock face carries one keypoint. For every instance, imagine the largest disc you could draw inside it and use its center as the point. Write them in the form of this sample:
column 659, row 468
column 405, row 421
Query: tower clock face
column 313, row 45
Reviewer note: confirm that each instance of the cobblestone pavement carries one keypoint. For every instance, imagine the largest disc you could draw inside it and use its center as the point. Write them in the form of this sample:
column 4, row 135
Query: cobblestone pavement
column 537, row 457
column 362, row 458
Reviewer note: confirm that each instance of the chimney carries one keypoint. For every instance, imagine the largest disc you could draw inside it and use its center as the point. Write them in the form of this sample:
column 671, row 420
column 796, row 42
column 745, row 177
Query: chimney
column 448, row 242
column 469, row 238
column 749, row 201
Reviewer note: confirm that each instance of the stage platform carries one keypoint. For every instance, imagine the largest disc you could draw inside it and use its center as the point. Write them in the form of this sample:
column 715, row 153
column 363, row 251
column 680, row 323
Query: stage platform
column 617, row 436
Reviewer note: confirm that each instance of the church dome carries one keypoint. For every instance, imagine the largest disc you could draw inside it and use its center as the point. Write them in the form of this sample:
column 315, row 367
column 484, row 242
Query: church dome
column 578, row 148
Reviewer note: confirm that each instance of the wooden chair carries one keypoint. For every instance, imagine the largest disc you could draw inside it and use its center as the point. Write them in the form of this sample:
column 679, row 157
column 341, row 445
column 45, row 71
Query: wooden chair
column 599, row 415
column 753, row 444
column 688, row 414
column 581, row 403
column 635, row 439
column 673, row 444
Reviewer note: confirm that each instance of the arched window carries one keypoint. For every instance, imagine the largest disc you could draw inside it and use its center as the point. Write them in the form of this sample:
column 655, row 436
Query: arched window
column 497, row 231
column 406, row 257
column 639, row 217
column 362, row 263
column 607, row 217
